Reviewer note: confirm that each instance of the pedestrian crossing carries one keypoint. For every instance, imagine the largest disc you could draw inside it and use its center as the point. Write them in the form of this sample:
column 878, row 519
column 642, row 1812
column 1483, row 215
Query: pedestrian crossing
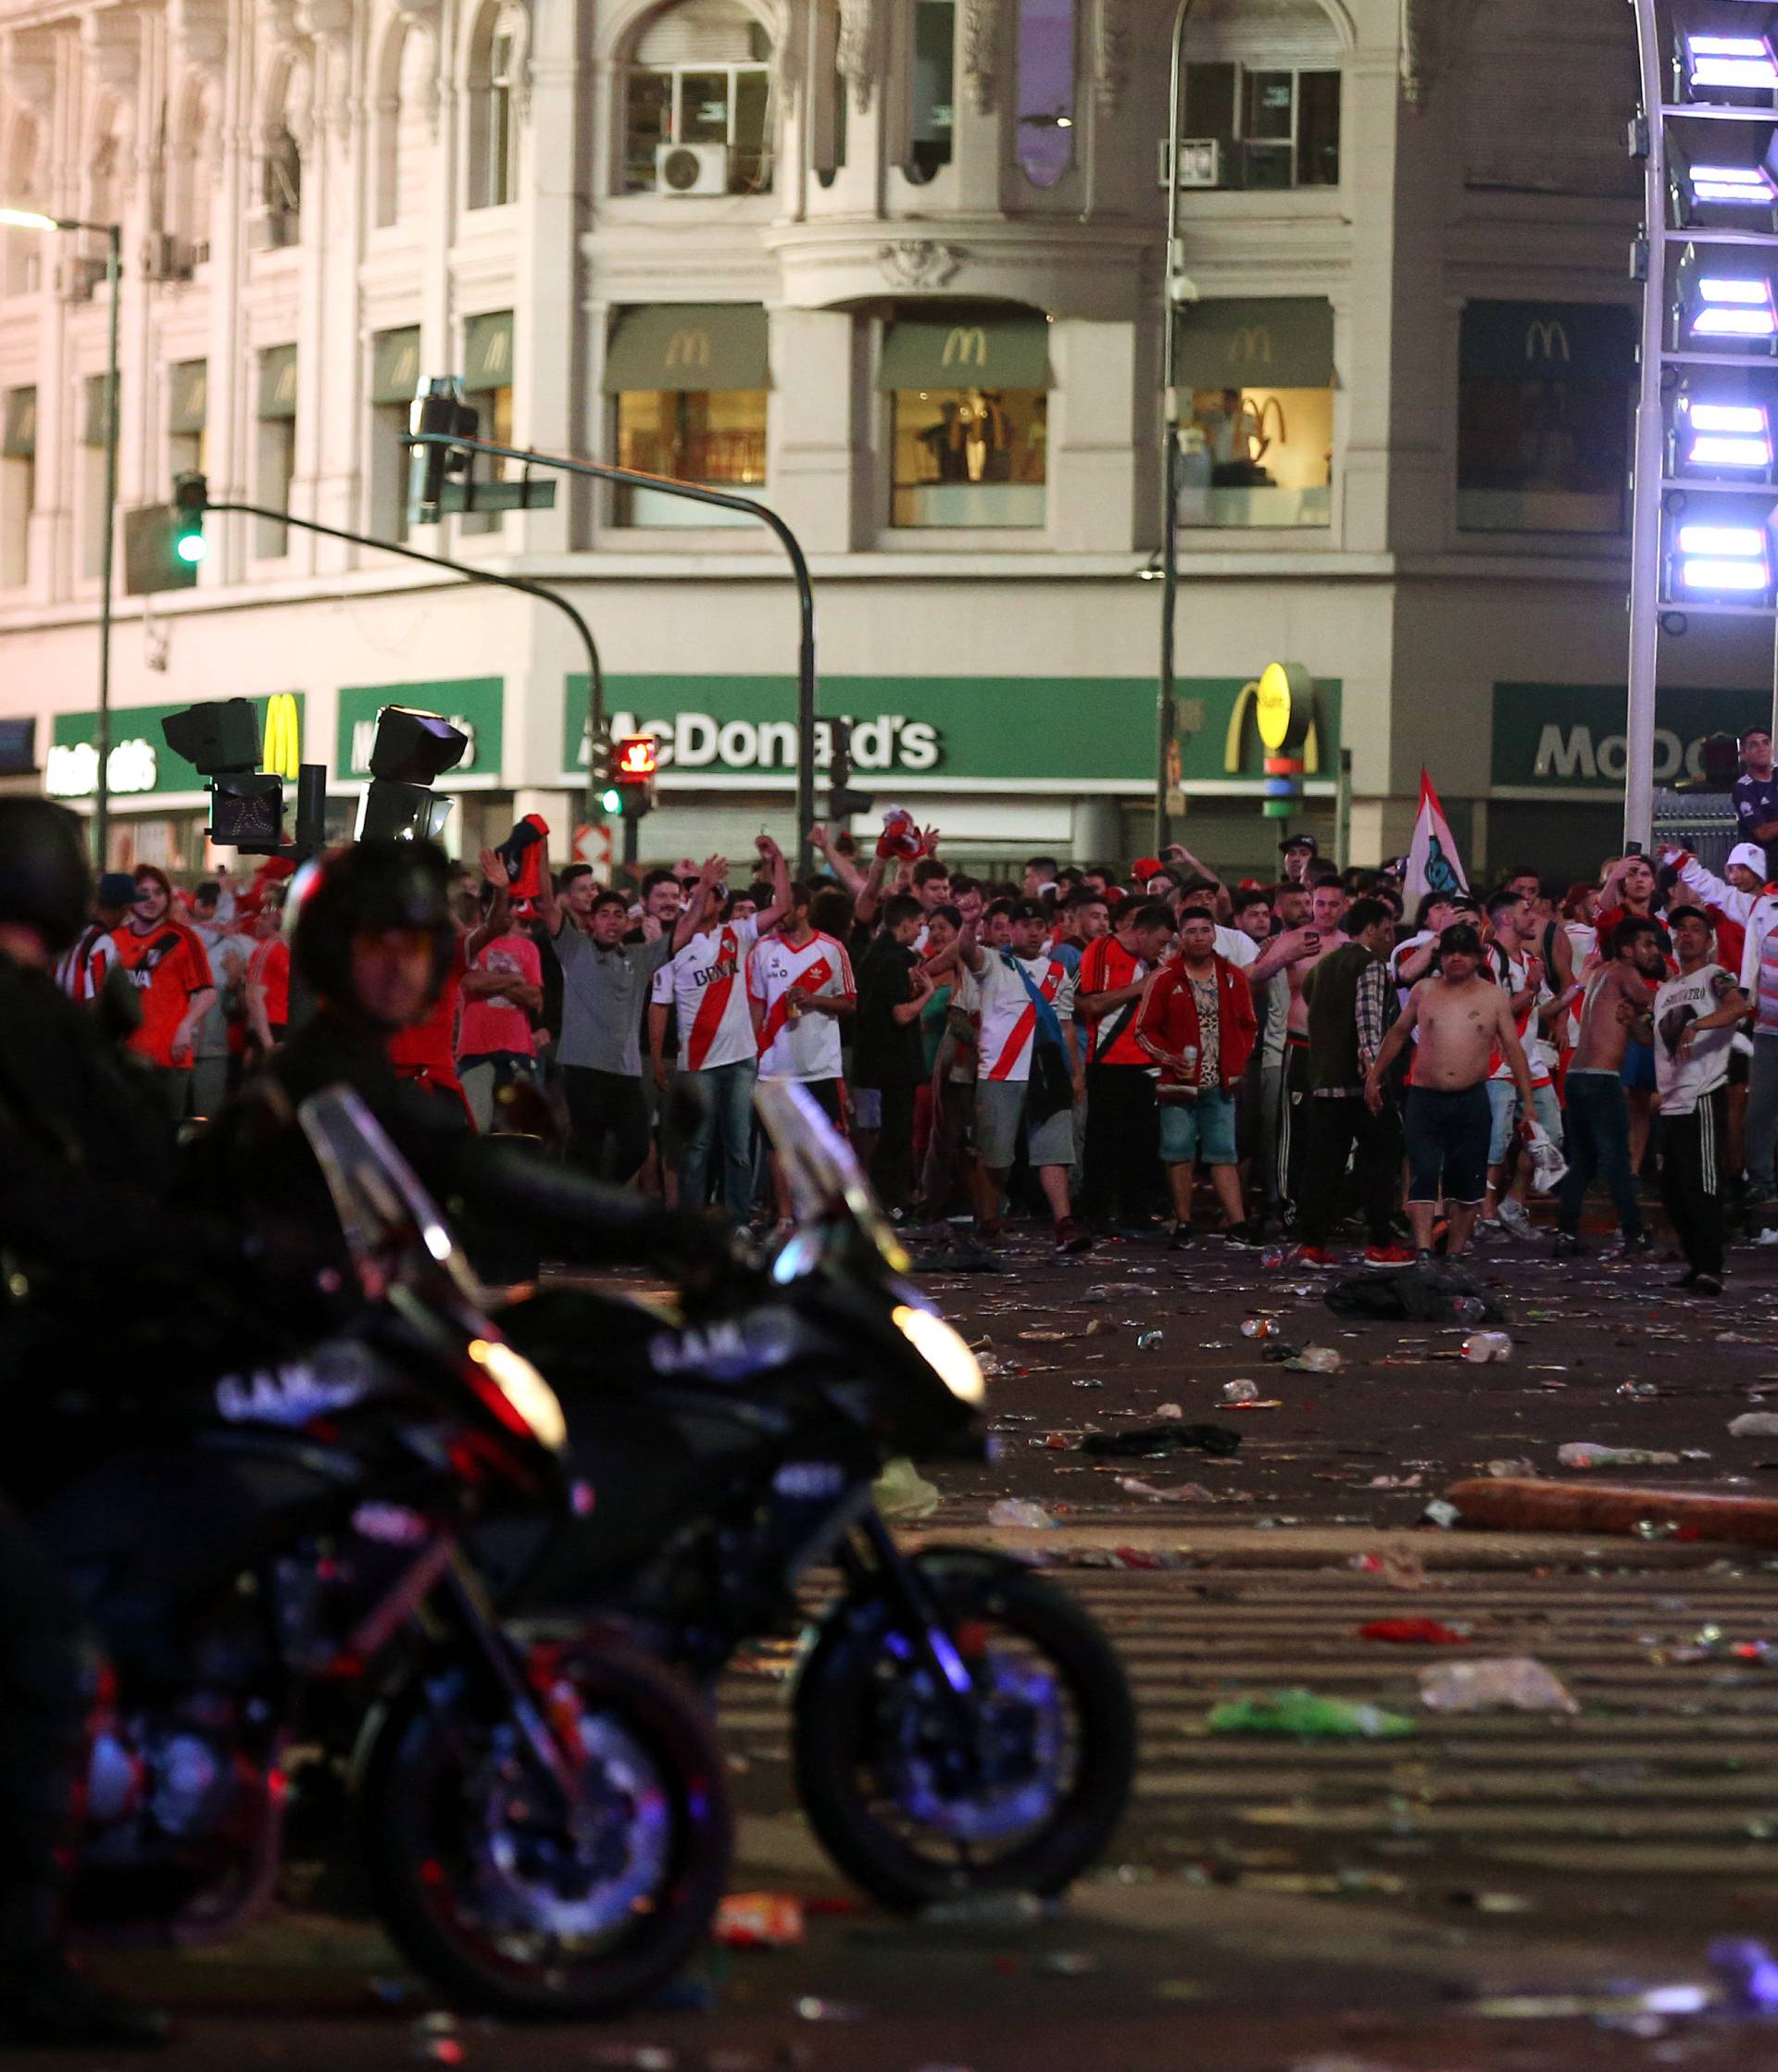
column 1670, row 1769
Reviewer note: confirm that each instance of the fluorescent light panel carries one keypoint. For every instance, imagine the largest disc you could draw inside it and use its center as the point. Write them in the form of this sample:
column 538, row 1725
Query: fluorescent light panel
column 1729, row 435
column 1750, row 184
column 1734, row 61
column 1724, row 557
column 1747, row 577
column 1734, row 307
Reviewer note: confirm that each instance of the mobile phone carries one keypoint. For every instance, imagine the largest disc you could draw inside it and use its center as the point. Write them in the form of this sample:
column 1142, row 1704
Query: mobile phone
column 1632, row 849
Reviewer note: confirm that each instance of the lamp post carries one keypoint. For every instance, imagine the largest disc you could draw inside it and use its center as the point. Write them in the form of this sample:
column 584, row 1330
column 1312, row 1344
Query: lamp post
column 34, row 220
column 1170, row 459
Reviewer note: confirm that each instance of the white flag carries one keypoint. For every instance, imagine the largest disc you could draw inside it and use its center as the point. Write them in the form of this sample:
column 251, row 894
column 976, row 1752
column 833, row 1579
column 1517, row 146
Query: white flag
column 1433, row 864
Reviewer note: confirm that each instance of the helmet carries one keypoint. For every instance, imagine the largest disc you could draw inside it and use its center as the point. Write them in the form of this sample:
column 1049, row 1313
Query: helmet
column 367, row 889
column 44, row 881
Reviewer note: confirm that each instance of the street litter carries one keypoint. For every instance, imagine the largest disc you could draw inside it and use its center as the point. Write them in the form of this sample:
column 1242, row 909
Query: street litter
column 1754, row 1424
column 1308, row 1714
column 1315, row 1360
column 1170, row 1438
column 759, row 1921
column 1481, row 1347
column 1170, row 1411
column 1015, row 1511
column 1441, row 1513
column 1587, row 1454
column 1187, row 1493
column 1415, row 1632
column 903, row 1494
column 1501, row 1469
column 1515, row 1683
column 1400, row 1571
column 1248, row 1392
column 1394, row 1482
column 1148, row 1341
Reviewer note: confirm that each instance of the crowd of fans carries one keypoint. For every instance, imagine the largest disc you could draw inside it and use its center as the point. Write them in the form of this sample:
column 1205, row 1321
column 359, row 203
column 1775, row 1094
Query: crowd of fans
column 1124, row 1053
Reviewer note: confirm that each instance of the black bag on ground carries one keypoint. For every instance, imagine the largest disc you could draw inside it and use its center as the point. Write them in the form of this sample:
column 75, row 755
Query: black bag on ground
column 1411, row 1294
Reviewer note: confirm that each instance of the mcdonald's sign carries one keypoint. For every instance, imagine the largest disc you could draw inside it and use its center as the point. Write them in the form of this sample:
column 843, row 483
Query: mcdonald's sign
column 1267, row 711
column 966, row 346
column 283, row 737
column 1542, row 338
column 1251, row 346
column 689, row 348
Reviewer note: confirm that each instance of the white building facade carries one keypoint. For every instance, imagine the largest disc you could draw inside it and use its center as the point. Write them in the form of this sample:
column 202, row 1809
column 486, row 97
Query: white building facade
column 896, row 268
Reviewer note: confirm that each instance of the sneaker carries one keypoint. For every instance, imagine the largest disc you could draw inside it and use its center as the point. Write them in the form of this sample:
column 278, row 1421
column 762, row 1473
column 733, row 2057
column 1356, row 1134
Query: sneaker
column 1687, row 1279
column 1072, row 1237
column 1314, row 1255
column 1706, row 1284
column 1641, row 1246
column 1567, row 1245
column 991, row 1233
column 1387, row 1256
column 1487, row 1229
column 1247, row 1235
column 1179, row 1237
column 1516, row 1218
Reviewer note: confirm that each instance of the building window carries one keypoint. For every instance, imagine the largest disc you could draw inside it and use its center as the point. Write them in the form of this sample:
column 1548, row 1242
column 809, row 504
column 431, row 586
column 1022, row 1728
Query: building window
column 281, row 188
column 497, row 58
column 969, row 412
column 275, row 449
column 697, row 105
column 18, row 484
column 689, row 385
column 406, row 112
column 1257, row 394
column 1045, row 90
column 92, row 513
column 487, row 388
column 21, row 257
column 1545, row 404
column 187, row 411
column 931, row 89
column 395, row 375
column 192, row 180
column 1273, row 126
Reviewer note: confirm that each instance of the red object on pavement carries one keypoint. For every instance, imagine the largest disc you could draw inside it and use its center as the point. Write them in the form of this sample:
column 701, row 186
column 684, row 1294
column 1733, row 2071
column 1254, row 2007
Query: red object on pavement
column 759, row 1921
column 1423, row 1632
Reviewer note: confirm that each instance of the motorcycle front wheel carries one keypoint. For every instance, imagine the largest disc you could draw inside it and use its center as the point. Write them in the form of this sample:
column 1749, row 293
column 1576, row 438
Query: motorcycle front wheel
column 917, row 1799
column 482, row 1881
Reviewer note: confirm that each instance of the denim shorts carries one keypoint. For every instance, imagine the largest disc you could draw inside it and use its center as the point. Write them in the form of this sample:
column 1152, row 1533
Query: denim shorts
column 1637, row 1071
column 1203, row 1128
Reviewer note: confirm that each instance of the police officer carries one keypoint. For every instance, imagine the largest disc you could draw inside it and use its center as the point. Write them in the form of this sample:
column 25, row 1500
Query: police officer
column 82, row 1153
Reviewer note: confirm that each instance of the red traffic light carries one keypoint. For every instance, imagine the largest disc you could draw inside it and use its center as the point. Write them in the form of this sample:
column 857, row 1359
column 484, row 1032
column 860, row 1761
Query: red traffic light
column 637, row 759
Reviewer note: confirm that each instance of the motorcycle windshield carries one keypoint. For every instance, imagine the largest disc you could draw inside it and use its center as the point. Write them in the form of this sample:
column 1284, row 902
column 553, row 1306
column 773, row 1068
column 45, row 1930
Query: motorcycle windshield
column 820, row 1170
column 389, row 1221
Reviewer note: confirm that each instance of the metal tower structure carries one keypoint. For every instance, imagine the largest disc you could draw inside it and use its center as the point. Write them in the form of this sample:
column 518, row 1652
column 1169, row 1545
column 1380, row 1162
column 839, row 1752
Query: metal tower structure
column 1705, row 497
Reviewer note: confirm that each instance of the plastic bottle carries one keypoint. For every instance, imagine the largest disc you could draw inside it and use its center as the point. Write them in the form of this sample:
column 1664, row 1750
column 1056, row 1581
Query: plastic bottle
column 1018, row 1511
column 1317, row 1359
column 1514, row 1682
column 1482, row 1346
column 1240, row 1391
column 1259, row 1327
column 1148, row 1341
column 1273, row 1256
column 1469, row 1309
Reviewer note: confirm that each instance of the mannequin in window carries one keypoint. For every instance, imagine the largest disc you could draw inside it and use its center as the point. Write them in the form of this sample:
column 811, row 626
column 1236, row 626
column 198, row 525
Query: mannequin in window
column 988, row 440
column 945, row 442
column 1236, row 441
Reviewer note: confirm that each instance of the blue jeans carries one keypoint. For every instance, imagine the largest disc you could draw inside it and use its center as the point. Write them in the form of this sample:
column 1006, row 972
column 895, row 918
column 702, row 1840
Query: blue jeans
column 726, row 1120
column 1598, row 1142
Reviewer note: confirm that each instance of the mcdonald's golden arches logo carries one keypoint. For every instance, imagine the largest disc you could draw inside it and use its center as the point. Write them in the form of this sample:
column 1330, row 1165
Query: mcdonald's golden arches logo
column 1275, row 703
column 1543, row 337
column 1251, row 346
column 284, row 749
column 966, row 346
column 689, row 348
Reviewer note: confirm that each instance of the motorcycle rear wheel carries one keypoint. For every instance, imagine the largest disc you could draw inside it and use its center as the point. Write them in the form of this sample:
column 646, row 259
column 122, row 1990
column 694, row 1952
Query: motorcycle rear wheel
column 875, row 1770
column 457, row 1852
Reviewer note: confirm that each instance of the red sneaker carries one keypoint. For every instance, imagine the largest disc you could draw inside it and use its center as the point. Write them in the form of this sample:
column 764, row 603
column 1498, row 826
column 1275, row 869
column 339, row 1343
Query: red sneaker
column 1387, row 1256
column 1315, row 1255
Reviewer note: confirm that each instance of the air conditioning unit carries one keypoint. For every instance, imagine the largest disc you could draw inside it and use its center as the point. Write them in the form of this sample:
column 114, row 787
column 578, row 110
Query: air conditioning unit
column 165, row 257
column 692, row 169
column 1200, row 162
column 76, row 278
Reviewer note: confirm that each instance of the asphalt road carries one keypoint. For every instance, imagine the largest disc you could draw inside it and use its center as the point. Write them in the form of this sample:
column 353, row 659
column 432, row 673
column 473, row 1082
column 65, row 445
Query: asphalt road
column 1505, row 1890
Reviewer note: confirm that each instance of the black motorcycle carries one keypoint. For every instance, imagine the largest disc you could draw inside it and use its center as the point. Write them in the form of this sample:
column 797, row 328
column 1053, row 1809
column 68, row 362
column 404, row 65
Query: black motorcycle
column 545, row 1827
column 961, row 1725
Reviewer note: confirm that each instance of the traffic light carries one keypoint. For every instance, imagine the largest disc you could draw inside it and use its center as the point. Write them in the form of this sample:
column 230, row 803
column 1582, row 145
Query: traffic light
column 222, row 741
column 843, row 802
column 629, row 789
column 412, row 748
column 438, row 407
column 191, row 497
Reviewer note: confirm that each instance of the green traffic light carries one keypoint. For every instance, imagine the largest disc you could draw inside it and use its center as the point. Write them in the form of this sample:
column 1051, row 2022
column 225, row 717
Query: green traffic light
column 611, row 801
column 190, row 548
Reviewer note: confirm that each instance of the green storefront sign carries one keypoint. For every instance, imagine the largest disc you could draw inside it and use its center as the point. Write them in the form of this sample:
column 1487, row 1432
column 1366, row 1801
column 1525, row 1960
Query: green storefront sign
column 141, row 765
column 1009, row 728
column 474, row 703
column 1570, row 737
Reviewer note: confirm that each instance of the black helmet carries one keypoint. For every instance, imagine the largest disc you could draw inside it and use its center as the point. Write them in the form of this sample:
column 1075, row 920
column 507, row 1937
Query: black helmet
column 44, row 881
column 365, row 890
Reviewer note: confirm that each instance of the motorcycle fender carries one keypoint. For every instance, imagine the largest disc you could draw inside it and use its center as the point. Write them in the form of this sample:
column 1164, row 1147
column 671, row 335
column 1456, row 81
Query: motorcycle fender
column 866, row 1599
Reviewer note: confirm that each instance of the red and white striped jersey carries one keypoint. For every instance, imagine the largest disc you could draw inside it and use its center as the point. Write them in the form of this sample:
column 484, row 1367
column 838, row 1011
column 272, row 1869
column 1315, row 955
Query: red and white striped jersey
column 707, row 983
column 1009, row 1019
column 805, row 1046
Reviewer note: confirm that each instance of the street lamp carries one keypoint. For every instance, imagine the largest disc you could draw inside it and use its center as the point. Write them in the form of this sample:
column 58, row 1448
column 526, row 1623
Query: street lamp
column 34, row 220
column 1169, row 570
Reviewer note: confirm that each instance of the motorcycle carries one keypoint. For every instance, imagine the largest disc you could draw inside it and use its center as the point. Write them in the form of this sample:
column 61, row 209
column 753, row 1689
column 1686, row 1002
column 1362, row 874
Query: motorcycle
column 545, row 1827
column 960, row 1724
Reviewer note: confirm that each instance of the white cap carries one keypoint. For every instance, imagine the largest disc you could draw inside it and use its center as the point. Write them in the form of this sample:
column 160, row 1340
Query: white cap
column 1752, row 856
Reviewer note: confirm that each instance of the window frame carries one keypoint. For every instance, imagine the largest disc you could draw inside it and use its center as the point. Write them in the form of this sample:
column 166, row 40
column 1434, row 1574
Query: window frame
column 634, row 69
column 623, row 506
column 1244, row 70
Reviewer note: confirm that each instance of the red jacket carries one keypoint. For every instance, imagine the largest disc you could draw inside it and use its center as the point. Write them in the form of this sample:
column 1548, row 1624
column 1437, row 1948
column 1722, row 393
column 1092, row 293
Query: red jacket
column 1168, row 1020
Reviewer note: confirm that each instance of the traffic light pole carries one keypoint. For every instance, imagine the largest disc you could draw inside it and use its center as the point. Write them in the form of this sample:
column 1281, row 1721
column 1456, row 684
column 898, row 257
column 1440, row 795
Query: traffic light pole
column 694, row 492
column 595, row 668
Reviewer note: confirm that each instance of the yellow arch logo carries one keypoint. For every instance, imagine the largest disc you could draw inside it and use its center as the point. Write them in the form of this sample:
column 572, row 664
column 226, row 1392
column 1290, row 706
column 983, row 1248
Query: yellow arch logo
column 1246, row 711
column 689, row 348
column 1541, row 339
column 1251, row 346
column 966, row 346
column 284, row 749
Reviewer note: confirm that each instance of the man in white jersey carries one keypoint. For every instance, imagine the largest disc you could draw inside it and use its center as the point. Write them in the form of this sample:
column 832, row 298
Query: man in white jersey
column 1513, row 960
column 1692, row 1025
column 800, row 983
column 1009, row 984
column 706, row 985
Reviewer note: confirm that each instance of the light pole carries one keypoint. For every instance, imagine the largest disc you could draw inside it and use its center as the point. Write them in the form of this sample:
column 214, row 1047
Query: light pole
column 34, row 220
column 1169, row 459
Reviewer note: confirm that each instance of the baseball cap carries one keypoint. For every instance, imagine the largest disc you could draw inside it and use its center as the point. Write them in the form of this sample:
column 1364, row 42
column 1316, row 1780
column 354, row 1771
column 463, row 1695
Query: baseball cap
column 1146, row 868
column 118, row 888
column 1751, row 854
column 1460, row 940
column 1301, row 841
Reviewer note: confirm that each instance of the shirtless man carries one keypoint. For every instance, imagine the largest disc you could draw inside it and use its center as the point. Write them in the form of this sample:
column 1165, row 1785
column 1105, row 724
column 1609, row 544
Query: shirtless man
column 1297, row 953
column 1618, row 990
column 1461, row 1016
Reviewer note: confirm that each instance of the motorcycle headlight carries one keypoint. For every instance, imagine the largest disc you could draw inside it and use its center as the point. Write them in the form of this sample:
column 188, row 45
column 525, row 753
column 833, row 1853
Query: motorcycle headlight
column 525, row 1391
column 945, row 1352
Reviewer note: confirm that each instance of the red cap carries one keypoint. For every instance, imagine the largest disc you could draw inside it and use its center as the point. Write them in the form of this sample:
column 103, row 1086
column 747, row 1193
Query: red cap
column 1148, row 866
